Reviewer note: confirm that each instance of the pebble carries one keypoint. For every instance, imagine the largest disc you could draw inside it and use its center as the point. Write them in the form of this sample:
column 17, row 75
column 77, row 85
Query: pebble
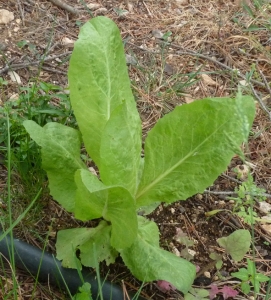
column 207, row 274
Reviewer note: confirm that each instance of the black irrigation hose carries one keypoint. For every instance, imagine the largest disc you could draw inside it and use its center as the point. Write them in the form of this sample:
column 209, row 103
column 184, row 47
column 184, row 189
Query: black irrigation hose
column 48, row 268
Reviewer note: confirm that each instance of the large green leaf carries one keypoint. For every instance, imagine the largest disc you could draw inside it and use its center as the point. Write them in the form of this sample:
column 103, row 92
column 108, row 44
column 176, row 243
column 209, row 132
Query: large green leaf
column 99, row 81
column 121, row 148
column 90, row 196
column 60, row 158
column 148, row 262
column 114, row 204
column 85, row 239
column 188, row 148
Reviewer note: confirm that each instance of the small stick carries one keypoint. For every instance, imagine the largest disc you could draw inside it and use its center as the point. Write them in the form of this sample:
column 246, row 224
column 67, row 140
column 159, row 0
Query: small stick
column 265, row 82
column 260, row 101
column 14, row 67
column 65, row 6
column 21, row 10
column 232, row 193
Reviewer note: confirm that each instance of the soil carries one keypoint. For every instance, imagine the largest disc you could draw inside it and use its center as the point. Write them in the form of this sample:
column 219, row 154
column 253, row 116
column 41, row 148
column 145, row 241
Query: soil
column 205, row 36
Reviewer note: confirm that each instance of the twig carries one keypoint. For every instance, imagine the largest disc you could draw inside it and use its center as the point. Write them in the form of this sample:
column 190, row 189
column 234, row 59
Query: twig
column 265, row 82
column 53, row 70
column 192, row 53
column 14, row 67
column 65, row 6
column 260, row 101
column 182, row 51
column 231, row 178
column 21, row 11
column 149, row 13
column 235, row 193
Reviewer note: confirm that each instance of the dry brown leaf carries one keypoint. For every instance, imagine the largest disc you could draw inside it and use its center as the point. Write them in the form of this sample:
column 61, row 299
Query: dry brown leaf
column 188, row 98
column 93, row 6
column 267, row 228
column 208, row 80
column 14, row 77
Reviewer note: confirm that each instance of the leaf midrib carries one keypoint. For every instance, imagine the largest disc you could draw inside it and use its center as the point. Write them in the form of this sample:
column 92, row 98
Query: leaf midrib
column 162, row 176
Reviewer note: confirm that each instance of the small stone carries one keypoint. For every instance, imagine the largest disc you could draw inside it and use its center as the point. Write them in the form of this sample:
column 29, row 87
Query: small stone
column 130, row 60
column 199, row 196
column 191, row 252
column 3, row 46
column 157, row 33
column 207, row 274
column 182, row 209
column 172, row 210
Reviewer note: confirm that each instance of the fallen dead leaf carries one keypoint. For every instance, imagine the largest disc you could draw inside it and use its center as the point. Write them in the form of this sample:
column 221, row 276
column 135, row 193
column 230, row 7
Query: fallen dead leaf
column 208, row 80
column 100, row 11
column 267, row 228
column 188, row 98
column 93, row 6
column 182, row 2
column 14, row 77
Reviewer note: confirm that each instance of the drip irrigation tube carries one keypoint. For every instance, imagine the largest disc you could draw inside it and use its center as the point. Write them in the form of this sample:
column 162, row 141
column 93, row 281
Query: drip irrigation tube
column 48, row 268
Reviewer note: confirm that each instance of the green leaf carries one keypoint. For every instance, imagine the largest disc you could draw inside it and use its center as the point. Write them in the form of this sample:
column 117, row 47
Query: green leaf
column 121, row 211
column 218, row 258
column 60, row 158
column 70, row 240
column 197, row 294
column 256, row 285
column 251, row 267
column 148, row 262
column 84, row 292
column 99, row 81
column 188, row 148
column 90, row 196
column 121, row 148
column 261, row 277
column 114, row 204
column 245, row 287
column 241, row 274
column 236, row 244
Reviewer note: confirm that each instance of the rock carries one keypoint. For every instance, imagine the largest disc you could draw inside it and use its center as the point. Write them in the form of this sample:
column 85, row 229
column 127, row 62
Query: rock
column 3, row 46
column 6, row 16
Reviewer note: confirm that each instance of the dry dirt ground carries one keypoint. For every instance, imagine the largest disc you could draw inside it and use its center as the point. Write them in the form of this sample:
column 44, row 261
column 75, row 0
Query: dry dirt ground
column 205, row 36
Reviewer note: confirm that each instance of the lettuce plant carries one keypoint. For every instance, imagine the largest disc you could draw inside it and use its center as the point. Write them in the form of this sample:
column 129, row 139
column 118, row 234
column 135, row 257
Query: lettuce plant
column 183, row 154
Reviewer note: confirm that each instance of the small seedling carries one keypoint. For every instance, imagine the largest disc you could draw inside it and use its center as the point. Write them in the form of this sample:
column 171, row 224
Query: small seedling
column 250, row 277
column 248, row 194
column 33, row 103
column 3, row 82
column 84, row 292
